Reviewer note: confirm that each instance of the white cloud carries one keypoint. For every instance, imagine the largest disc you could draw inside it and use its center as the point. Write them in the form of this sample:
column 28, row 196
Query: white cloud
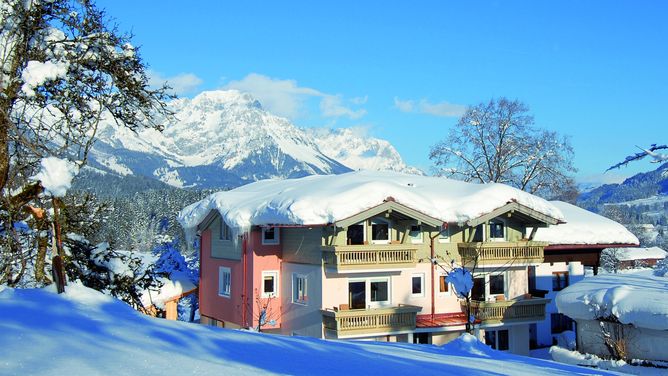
column 286, row 98
column 183, row 83
column 333, row 106
column 444, row 109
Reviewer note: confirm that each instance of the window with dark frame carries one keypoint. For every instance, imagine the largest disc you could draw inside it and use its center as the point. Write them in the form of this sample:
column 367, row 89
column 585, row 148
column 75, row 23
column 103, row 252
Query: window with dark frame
column 497, row 230
column 496, row 285
column 417, row 284
column 478, row 290
column 559, row 281
column 380, row 231
column 355, row 234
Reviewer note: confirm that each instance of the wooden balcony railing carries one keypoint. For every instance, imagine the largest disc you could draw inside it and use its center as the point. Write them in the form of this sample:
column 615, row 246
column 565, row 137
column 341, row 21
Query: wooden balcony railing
column 508, row 311
column 362, row 322
column 385, row 256
column 522, row 252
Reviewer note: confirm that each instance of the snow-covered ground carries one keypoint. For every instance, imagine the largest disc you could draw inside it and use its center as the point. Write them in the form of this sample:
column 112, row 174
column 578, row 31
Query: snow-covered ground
column 83, row 332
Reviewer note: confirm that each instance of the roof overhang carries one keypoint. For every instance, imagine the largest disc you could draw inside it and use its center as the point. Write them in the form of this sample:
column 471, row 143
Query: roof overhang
column 389, row 206
column 531, row 217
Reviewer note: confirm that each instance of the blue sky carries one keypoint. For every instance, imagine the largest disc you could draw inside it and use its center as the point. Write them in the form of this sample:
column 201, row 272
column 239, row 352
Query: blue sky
column 596, row 71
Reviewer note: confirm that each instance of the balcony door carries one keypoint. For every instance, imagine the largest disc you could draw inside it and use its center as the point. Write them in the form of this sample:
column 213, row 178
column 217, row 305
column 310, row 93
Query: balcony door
column 357, row 294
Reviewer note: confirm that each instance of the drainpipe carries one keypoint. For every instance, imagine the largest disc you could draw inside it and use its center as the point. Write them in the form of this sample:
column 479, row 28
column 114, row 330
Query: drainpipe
column 432, row 266
column 244, row 245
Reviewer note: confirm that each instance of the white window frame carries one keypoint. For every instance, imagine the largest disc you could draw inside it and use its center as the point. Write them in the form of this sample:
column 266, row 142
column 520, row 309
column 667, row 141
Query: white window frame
column 367, row 290
column 505, row 230
column 446, row 238
column 277, row 236
column 270, row 273
column 422, row 286
column 486, row 276
column 389, row 231
column 224, row 291
column 303, row 299
column 419, row 239
column 225, row 231
column 364, row 231
column 383, row 303
column 438, row 285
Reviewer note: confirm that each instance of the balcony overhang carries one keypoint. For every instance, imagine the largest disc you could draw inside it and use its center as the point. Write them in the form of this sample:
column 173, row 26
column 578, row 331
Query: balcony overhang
column 502, row 253
column 356, row 323
column 509, row 311
column 350, row 258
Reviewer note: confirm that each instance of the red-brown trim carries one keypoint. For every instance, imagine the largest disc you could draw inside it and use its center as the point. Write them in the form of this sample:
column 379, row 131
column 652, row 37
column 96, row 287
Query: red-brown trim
column 557, row 247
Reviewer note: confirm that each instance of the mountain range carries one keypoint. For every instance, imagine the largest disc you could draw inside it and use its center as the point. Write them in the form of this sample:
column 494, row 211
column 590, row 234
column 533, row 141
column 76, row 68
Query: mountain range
column 223, row 139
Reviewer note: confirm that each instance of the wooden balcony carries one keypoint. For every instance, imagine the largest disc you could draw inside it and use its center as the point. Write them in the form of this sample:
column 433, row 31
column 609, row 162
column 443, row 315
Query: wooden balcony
column 367, row 322
column 532, row 309
column 349, row 258
column 506, row 253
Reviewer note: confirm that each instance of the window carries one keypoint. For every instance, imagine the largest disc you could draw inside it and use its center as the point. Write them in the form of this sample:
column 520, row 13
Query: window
column 270, row 235
column 380, row 291
column 225, row 231
column 299, row 289
column 443, row 286
column 355, row 234
column 496, row 285
column 224, row 281
column 559, row 281
column 478, row 290
column 368, row 292
column 497, row 230
column 417, row 282
column 479, row 234
column 497, row 339
column 380, row 232
column 269, row 284
column 444, row 235
column 416, row 234
column 560, row 323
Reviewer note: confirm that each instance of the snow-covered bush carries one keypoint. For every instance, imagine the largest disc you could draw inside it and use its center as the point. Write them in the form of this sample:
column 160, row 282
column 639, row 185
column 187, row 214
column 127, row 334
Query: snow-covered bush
column 661, row 268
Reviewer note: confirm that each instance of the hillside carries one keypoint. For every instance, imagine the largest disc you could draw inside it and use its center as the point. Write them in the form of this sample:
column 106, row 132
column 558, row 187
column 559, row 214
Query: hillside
column 84, row 332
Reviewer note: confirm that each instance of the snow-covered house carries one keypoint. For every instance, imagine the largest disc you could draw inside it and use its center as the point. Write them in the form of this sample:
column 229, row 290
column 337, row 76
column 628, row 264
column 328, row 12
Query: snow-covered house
column 572, row 246
column 628, row 308
column 364, row 255
column 630, row 258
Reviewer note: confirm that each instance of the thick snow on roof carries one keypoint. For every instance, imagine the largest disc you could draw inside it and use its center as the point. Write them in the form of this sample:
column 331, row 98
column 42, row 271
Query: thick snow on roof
column 322, row 199
column 83, row 332
column 630, row 254
column 637, row 298
column 584, row 227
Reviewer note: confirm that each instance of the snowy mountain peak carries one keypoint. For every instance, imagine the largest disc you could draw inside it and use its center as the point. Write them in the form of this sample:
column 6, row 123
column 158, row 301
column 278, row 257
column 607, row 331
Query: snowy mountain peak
column 225, row 138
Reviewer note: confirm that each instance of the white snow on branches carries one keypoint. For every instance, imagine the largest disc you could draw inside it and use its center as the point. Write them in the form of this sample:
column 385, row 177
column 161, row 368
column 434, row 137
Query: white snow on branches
column 56, row 175
column 37, row 73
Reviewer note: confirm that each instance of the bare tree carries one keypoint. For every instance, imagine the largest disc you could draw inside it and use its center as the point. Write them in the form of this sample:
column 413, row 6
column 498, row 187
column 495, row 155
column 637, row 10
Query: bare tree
column 497, row 142
column 63, row 70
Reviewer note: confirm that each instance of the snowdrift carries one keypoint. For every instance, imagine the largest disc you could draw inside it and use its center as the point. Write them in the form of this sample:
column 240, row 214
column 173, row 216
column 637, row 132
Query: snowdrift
column 83, row 332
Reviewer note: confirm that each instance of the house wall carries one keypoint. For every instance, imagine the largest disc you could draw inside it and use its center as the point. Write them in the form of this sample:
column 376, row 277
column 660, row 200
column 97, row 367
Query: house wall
column 335, row 289
column 220, row 248
column 213, row 305
column 642, row 343
column 300, row 319
column 544, row 272
column 518, row 337
column 264, row 258
column 302, row 244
